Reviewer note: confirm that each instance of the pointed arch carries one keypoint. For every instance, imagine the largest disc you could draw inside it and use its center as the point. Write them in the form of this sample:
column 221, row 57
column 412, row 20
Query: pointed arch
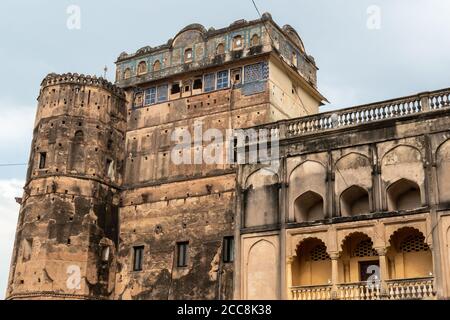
column 261, row 199
column 156, row 66
column 354, row 201
column 309, row 207
column 142, row 68
column 403, row 194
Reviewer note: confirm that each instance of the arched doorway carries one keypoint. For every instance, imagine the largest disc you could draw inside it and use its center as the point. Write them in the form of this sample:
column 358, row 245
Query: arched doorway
column 409, row 256
column 312, row 264
column 359, row 261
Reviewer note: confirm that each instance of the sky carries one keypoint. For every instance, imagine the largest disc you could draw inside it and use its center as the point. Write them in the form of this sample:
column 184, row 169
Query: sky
column 366, row 50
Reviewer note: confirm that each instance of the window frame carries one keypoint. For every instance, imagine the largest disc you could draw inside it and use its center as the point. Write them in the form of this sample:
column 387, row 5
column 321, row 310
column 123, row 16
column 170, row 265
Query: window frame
column 42, row 164
column 205, row 82
column 159, row 98
column 138, row 259
column 228, row 250
column 220, row 86
column 153, row 96
column 182, row 254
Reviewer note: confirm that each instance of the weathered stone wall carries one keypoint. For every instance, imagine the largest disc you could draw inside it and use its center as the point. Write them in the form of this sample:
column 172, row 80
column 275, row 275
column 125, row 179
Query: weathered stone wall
column 70, row 207
column 384, row 180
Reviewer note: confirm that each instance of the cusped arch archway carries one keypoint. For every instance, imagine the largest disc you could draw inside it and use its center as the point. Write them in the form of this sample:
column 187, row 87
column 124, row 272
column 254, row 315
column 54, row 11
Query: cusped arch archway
column 311, row 265
column 358, row 258
column 409, row 255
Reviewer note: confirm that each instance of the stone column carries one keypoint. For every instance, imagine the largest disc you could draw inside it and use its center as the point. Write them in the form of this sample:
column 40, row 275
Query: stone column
column 334, row 273
column 289, row 262
column 384, row 274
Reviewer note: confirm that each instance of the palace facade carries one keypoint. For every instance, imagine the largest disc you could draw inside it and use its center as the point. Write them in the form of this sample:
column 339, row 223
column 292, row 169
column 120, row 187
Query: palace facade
column 358, row 207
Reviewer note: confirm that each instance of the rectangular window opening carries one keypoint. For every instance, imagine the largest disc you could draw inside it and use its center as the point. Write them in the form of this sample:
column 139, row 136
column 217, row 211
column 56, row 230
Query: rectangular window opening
column 42, row 160
column 222, row 80
column 175, row 88
column 162, row 93
column 198, row 84
column 210, row 82
column 138, row 258
column 150, row 96
column 228, row 249
column 182, row 254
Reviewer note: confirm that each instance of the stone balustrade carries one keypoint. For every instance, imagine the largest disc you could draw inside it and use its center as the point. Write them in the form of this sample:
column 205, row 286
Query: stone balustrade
column 411, row 289
column 405, row 289
column 312, row 293
column 359, row 115
column 358, row 291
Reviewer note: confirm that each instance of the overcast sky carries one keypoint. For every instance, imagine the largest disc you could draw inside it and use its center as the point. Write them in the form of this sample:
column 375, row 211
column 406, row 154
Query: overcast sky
column 409, row 53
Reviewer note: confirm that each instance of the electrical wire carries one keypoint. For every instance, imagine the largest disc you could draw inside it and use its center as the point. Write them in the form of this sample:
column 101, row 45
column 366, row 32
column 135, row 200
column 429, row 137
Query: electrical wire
column 282, row 63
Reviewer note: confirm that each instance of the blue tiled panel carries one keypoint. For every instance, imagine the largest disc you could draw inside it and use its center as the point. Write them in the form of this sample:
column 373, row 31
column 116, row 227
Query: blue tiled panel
column 256, row 72
column 253, row 87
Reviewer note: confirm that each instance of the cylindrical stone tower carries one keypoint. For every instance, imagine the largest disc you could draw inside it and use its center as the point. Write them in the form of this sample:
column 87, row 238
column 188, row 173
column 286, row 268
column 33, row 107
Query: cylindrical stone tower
column 68, row 228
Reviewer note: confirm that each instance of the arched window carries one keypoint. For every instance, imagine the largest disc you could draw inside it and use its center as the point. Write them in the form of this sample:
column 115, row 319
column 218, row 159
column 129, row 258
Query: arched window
column 188, row 55
column 220, row 49
column 294, row 59
column 409, row 255
column 156, row 66
column 127, row 73
column 142, row 68
column 79, row 136
column 404, row 195
column 354, row 201
column 309, row 207
column 312, row 264
column 255, row 40
column 238, row 43
column 359, row 259
column 118, row 74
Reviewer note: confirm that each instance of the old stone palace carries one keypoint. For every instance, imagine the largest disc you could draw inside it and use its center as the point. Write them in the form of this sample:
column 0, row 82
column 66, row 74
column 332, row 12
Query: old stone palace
column 358, row 207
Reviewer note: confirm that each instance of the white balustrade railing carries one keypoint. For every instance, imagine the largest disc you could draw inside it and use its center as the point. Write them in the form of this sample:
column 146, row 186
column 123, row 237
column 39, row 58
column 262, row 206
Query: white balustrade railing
column 410, row 289
column 404, row 289
column 311, row 293
column 360, row 115
column 358, row 291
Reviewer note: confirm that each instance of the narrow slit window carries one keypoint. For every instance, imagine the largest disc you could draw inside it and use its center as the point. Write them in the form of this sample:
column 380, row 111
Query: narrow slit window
column 42, row 160
column 228, row 249
column 138, row 258
column 182, row 254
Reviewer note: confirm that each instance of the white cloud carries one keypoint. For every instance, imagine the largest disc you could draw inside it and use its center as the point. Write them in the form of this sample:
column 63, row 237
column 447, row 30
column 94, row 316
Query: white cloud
column 9, row 212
